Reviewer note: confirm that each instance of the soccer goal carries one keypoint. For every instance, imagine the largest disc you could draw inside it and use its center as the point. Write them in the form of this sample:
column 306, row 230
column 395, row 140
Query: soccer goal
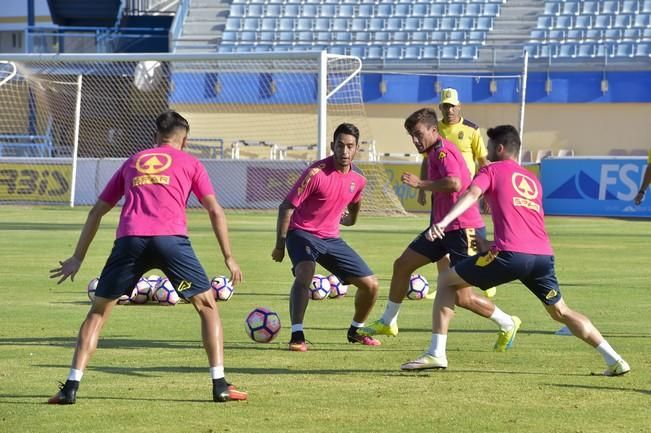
column 256, row 121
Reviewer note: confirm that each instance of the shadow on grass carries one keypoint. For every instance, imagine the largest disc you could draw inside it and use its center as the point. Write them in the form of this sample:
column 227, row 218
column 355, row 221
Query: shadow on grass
column 42, row 399
column 603, row 388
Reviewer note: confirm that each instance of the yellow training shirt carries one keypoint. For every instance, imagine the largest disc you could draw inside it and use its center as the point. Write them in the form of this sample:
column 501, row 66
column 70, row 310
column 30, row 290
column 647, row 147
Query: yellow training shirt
column 468, row 139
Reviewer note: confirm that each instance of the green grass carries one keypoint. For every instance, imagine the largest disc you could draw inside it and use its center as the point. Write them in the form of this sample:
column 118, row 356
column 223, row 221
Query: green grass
column 150, row 372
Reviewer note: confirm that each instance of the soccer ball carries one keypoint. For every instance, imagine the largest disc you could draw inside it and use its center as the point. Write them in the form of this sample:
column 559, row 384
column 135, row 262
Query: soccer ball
column 222, row 288
column 92, row 286
column 143, row 291
column 319, row 287
column 337, row 289
column 124, row 299
column 165, row 293
column 418, row 287
column 262, row 325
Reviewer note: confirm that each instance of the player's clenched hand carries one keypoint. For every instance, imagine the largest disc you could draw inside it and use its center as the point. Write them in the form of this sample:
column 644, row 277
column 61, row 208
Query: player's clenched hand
column 410, row 179
column 278, row 254
column 67, row 268
column 234, row 268
column 436, row 231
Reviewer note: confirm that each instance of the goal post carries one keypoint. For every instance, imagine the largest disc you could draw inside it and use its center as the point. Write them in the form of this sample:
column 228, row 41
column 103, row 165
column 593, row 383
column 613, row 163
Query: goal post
column 256, row 120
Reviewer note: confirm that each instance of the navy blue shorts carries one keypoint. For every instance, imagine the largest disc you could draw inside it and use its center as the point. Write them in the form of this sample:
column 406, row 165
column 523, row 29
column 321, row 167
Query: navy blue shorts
column 494, row 268
column 132, row 256
column 332, row 253
column 460, row 244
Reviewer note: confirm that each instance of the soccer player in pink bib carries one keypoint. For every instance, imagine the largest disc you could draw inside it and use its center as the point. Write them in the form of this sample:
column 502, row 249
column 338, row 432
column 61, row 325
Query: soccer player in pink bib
column 327, row 194
column 448, row 176
column 152, row 233
column 521, row 251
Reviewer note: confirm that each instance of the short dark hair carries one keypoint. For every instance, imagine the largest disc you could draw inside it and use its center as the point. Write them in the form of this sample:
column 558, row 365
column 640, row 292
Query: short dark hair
column 424, row 115
column 507, row 136
column 346, row 128
column 170, row 120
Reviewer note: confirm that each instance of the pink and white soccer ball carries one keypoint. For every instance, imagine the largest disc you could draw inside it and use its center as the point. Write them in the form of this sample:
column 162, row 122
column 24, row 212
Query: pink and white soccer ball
column 165, row 293
column 319, row 287
column 262, row 325
column 337, row 288
column 222, row 288
column 418, row 287
column 124, row 299
column 143, row 292
column 90, row 289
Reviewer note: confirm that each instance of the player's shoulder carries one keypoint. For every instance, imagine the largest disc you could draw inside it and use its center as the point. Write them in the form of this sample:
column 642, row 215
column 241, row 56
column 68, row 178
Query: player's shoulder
column 469, row 124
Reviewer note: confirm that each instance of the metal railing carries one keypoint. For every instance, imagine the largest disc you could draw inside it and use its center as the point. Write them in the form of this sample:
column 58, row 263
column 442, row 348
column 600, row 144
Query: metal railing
column 177, row 25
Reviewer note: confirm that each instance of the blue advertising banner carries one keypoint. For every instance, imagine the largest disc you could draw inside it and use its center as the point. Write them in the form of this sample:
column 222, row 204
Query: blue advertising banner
column 598, row 186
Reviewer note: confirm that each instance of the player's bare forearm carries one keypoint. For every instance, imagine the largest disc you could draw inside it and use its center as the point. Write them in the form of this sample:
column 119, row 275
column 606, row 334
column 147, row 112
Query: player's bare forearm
column 220, row 229
column 466, row 200
column 350, row 217
column 285, row 211
column 445, row 184
column 646, row 181
column 70, row 266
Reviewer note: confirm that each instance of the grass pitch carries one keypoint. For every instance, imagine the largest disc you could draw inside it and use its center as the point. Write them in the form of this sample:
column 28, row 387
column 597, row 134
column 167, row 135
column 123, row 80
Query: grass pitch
column 150, row 374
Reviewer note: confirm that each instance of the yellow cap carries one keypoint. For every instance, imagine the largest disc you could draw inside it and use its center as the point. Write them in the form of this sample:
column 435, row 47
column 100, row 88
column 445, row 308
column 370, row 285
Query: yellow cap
column 450, row 96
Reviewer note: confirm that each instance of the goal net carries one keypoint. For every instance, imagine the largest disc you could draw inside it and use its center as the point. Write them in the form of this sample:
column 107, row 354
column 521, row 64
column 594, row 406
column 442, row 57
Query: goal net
column 256, row 121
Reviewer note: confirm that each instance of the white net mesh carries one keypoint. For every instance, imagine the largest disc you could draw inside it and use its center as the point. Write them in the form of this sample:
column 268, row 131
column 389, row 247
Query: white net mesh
column 253, row 121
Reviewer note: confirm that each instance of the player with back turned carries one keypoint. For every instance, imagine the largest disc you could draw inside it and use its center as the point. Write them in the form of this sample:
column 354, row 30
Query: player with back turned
column 152, row 233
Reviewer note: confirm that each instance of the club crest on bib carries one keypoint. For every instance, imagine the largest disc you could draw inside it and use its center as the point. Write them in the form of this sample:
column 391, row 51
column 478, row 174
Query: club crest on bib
column 442, row 155
column 351, row 188
column 527, row 189
column 460, row 135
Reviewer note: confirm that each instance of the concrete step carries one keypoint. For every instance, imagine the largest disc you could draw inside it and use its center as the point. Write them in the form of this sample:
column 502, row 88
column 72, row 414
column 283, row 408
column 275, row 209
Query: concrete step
column 200, row 27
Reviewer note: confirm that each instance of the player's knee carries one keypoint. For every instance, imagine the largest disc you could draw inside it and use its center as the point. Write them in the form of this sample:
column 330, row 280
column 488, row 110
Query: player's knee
column 370, row 284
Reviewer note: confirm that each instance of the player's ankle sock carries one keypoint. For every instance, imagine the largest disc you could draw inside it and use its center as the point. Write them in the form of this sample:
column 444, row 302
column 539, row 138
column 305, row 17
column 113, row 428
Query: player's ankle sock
column 503, row 320
column 352, row 331
column 217, row 372
column 75, row 375
column 298, row 336
column 608, row 353
column 437, row 346
column 390, row 313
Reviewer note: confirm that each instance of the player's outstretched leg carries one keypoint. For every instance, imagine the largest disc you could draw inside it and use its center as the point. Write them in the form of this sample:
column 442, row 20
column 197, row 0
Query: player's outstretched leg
column 582, row 327
column 367, row 292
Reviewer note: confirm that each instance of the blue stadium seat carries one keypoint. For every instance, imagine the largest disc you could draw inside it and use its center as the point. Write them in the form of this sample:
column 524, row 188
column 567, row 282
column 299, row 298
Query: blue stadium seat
column 457, row 37
column 273, row 10
column 572, row 35
column 447, row 23
column 327, row 10
column 593, row 35
column 646, row 7
column 308, row 11
column 438, row 37
column 642, row 21
column 248, row 37
column 402, row 10
column 429, row 23
column 419, row 37
column 358, row 51
column 255, row 10
column 401, row 38
column 290, row 10
column 365, row 11
column 466, row 23
column 454, row 10
column 323, row 38
column 420, row 10
column 394, row 24
column 586, row 50
column 491, row 10
column 430, row 52
column 268, row 24
column 473, row 9
column 611, row 35
column 642, row 49
column 337, row 49
column 629, row 7
column 412, row 24
column 582, row 22
column 622, row 21
column 237, row 10
column 544, row 23
column 384, row 10
column 484, row 23
column 646, row 34
column 604, row 50
column 566, row 51
column 342, row 37
column 266, row 37
column 624, row 49
column 393, row 52
column 374, row 52
column 360, row 38
column 303, row 24
column 339, row 25
column 380, row 37
column 610, row 7
column 376, row 24
column 537, row 35
column 437, row 10
column 602, row 22
column 284, row 38
column 570, row 8
column 225, row 49
column 448, row 52
column 469, row 52
column 229, row 37
column 358, row 24
column 286, row 24
column 590, row 7
column 552, row 8
column 232, row 24
column 305, row 38
column 412, row 52
column 631, row 35
column 322, row 24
